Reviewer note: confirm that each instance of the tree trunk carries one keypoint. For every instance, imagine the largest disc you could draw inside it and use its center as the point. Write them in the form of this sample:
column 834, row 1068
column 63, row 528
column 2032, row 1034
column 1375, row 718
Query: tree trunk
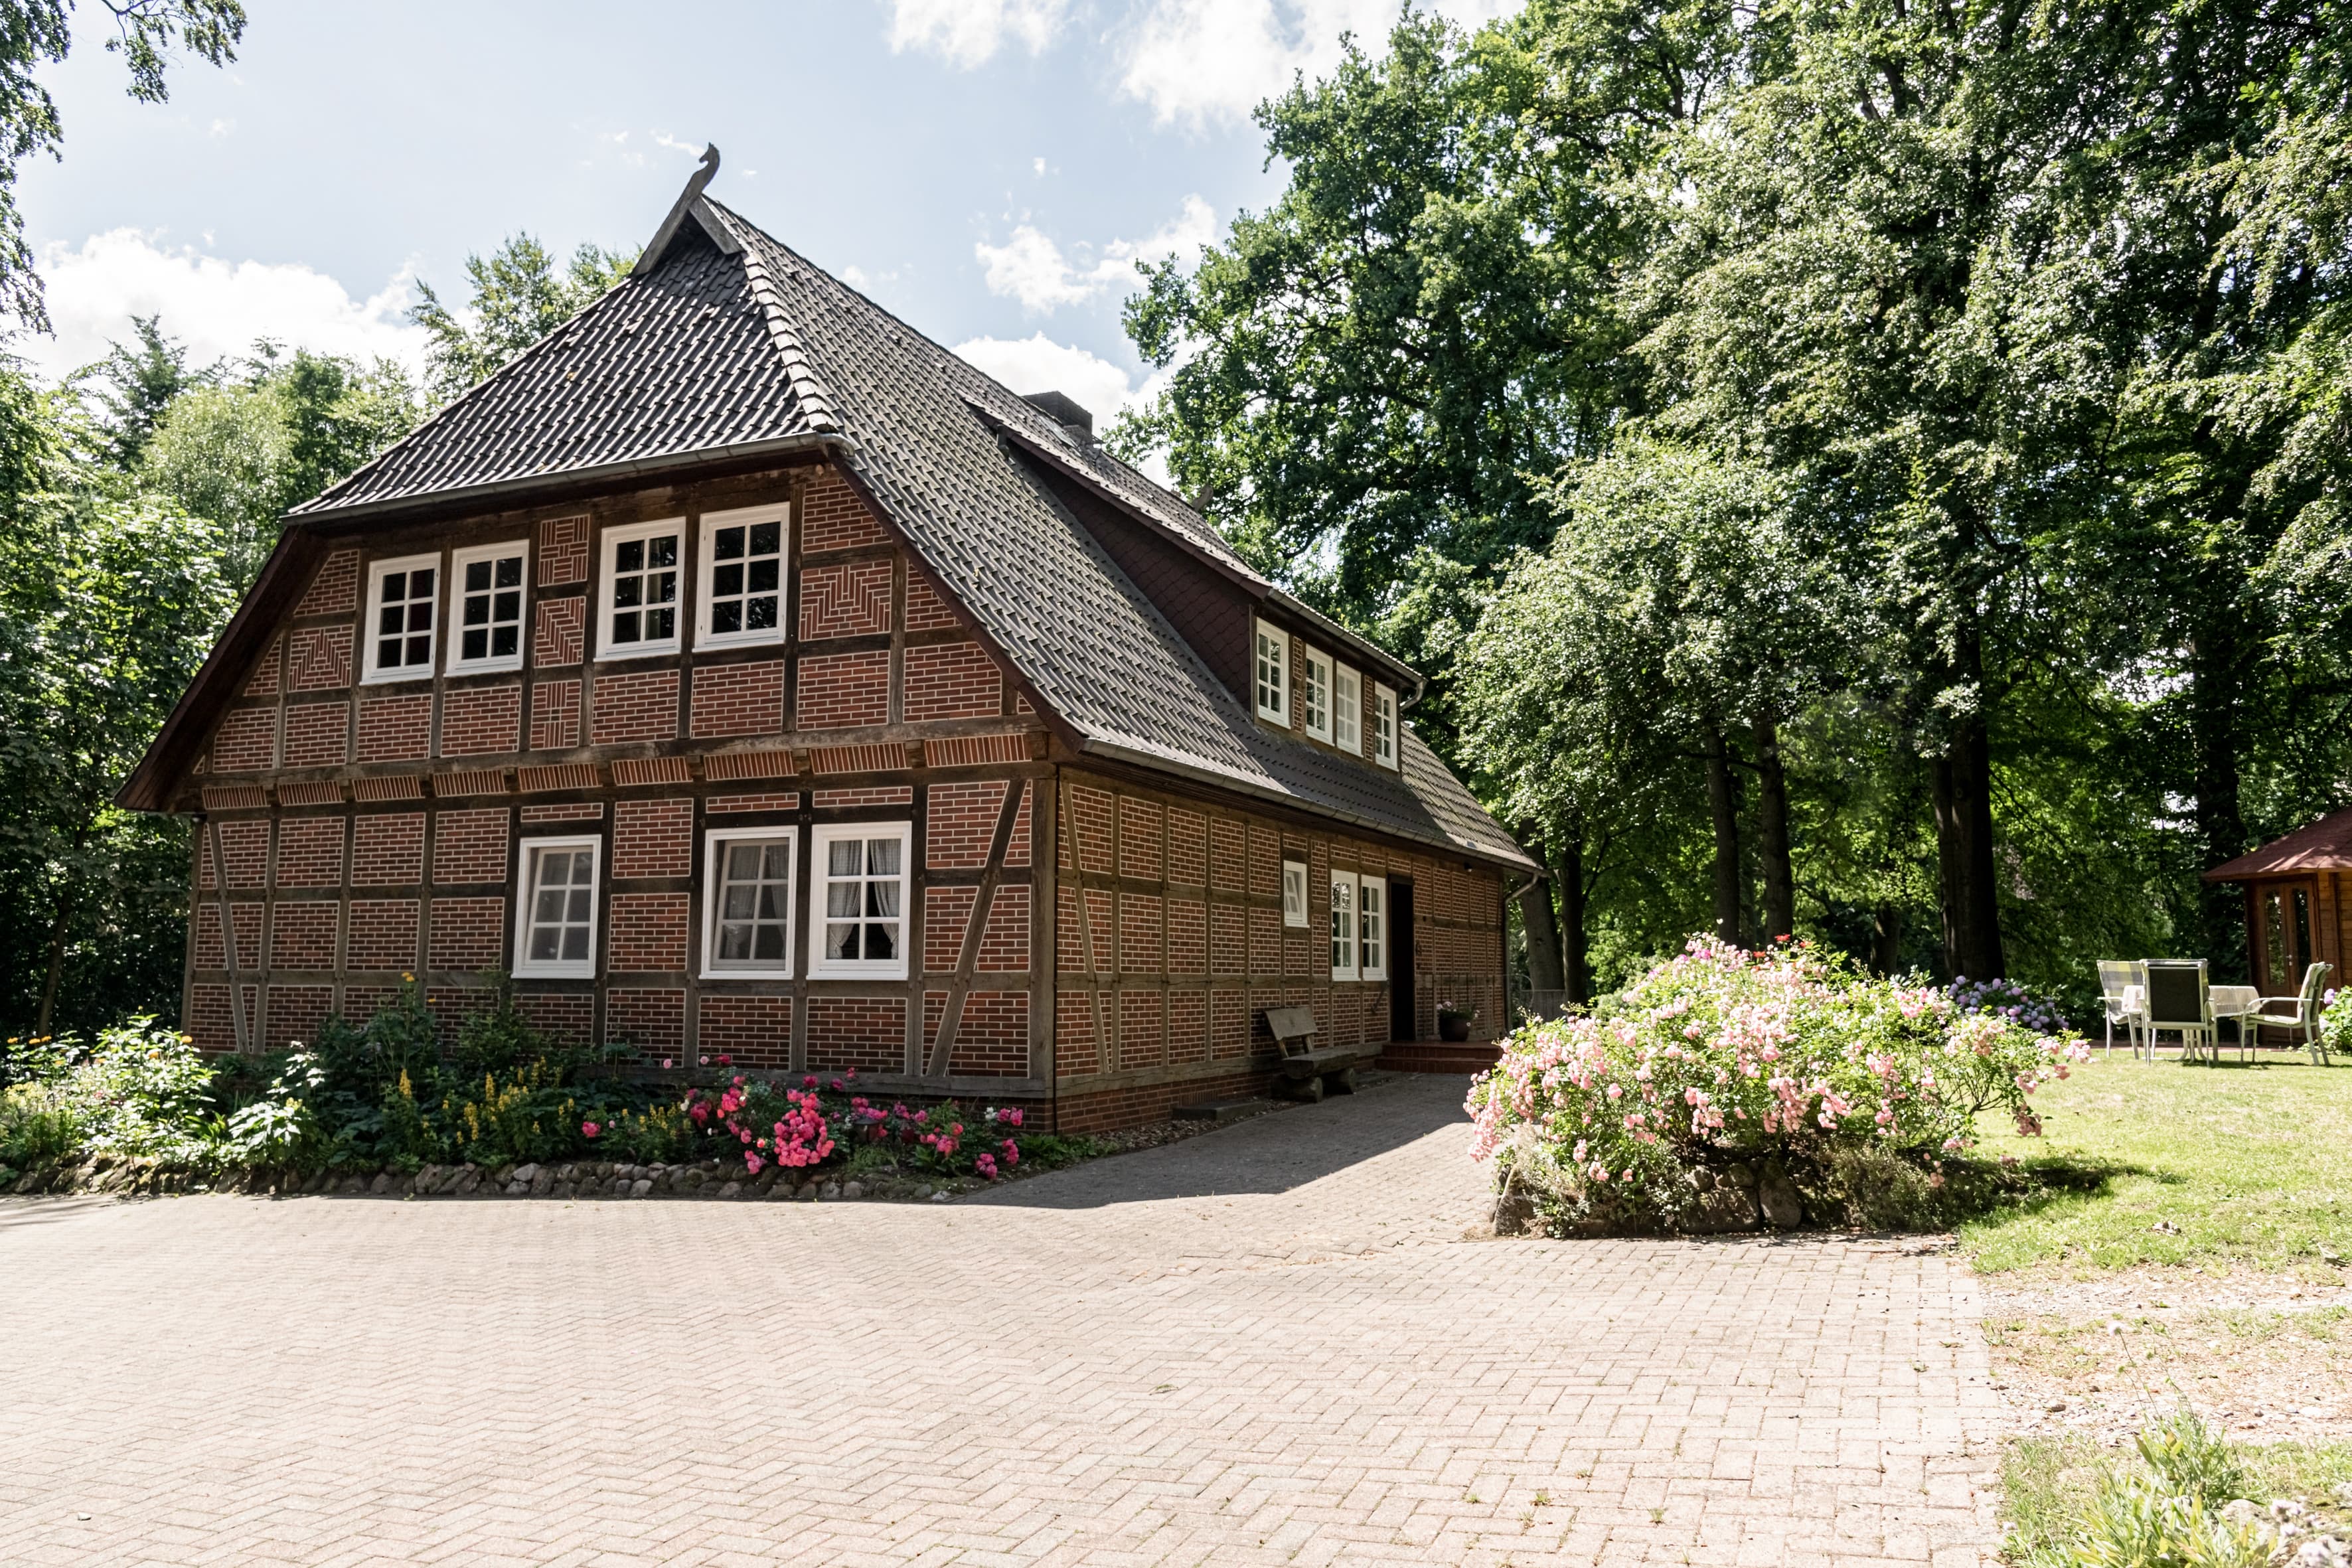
column 1962, row 781
column 1575, row 970
column 1886, row 937
column 1542, row 929
column 2216, row 726
column 1723, row 804
column 1780, row 910
column 58, row 929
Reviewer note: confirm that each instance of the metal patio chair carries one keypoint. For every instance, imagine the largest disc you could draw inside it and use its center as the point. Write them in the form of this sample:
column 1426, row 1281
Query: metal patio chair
column 2123, row 997
column 2179, row 1000
column 2300, row 1011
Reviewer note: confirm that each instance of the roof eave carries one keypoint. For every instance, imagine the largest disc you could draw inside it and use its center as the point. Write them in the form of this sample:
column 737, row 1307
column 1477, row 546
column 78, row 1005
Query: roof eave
column 591, row 477
column 1099, row 746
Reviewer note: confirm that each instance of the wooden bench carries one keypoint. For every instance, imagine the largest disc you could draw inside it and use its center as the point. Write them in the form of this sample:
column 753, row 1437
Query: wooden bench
column 1309, row 1071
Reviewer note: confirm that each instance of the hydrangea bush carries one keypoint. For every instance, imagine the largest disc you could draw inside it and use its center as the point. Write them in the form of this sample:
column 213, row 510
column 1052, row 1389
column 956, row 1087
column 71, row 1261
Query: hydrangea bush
column 1720, row 1058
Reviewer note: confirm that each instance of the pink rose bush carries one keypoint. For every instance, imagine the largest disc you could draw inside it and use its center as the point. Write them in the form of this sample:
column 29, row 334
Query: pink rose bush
column 796, row 1126
column 1720, row 1057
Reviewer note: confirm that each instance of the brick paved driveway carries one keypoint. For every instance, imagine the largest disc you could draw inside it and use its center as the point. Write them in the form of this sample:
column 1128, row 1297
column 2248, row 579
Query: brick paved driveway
column 1269, row 1345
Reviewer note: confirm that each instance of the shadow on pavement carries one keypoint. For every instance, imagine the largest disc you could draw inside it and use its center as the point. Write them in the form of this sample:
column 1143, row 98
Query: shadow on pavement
column 1269, row 1154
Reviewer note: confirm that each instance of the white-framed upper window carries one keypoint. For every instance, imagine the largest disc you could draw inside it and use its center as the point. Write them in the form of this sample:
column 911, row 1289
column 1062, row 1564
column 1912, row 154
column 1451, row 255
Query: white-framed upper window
column 1315, row 694
column 1346, row 710
column 1384, row 725
column 746, row 928
column 636, row 590
column 1272, row 663
column 1372, row 928
column 1343, row 925
column 555, row 912
column 857, row 900
column 1294, row 892
column 404, row 604
column 743, row 598
column 488, row 585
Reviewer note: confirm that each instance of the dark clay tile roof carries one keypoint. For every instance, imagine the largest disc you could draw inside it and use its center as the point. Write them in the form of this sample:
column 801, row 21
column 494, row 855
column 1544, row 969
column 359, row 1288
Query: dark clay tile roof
column 725, row 340
column 2325, row 845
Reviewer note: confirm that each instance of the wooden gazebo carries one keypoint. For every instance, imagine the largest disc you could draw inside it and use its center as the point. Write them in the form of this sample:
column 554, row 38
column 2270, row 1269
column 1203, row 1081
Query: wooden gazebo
column 2298, row 894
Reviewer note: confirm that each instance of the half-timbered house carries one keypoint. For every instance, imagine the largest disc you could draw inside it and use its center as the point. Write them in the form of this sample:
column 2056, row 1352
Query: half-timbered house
column 747, row 675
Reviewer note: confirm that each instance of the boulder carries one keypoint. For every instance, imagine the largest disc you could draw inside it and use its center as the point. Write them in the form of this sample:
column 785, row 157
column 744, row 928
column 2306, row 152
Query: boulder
column 1776, row 1195
column 1515, row 1214
column 1721, row 1209
column 641, row 1186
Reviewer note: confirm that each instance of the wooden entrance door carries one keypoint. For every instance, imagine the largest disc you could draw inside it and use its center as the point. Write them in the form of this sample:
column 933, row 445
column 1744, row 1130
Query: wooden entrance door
column 2284, row 916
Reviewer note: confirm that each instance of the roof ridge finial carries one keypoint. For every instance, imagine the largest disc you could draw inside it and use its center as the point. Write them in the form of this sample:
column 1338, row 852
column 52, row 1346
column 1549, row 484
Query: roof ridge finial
column 695, row 182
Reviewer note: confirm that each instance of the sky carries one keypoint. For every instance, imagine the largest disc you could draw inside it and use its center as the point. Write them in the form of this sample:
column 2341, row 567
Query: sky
column 991, row 169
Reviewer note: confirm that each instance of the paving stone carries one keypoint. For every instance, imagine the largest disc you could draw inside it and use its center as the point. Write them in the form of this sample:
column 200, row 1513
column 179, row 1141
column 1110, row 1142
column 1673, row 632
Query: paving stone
column 1271, row 1343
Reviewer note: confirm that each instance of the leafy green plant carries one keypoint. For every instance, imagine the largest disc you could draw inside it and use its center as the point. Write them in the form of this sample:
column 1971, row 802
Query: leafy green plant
column 2166, row 1511
column 38, row 1126
column 657, row 1134
column 528, row 1117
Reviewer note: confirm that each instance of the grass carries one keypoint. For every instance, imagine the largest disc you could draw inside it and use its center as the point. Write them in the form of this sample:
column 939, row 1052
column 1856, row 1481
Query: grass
column 2160, row 1163
column 2045, row 1481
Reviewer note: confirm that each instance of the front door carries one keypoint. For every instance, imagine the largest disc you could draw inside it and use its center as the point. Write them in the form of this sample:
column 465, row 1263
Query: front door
column 1402, row 1026
column 2281, row 935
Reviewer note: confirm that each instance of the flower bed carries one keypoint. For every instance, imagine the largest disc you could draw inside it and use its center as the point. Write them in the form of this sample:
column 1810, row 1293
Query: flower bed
column 390, row 1099
column 1726, row 1085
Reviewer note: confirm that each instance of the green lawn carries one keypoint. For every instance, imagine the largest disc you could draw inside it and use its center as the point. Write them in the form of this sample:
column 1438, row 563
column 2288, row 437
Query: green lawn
column 2249, row 1166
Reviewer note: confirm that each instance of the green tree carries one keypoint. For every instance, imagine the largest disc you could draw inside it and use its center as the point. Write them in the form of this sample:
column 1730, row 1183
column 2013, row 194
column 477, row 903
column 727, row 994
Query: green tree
column 34, row 33
column 132, row 387
column 108, row 607
column 518, row 297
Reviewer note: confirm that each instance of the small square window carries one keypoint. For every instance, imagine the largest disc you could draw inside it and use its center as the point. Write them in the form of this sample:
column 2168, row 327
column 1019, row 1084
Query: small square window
column 1293, row 893
column 1372, row 928
column 403, row 599
column 1315, row 694
column 640, row 590
column 1343, row 925
column 743, row 577
column 857, row 900
column 747, row 887
column 491, row 583
column 1346, row 710
column 1273, row 662
column 555, row 925
column 1384, row 726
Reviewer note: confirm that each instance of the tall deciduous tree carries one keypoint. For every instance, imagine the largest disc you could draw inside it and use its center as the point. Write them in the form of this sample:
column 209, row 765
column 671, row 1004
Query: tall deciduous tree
column 518, row 297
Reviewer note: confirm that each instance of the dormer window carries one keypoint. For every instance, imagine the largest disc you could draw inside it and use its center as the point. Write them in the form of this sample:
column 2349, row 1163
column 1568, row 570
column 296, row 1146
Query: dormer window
column 1273, row 674
column 1346, row 710
column 1315, row 695
column 1384, row 726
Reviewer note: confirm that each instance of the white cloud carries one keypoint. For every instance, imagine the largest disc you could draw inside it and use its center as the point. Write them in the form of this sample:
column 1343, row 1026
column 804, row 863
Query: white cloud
column 1204, row 61
column 1031, row 267
column 1037, row 364
column 217, row 307
column 968, row 32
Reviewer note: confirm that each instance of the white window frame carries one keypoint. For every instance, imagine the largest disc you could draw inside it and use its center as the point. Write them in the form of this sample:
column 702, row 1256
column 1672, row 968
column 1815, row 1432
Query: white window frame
column 1270, row 672
column 1372, row 928
column 715, row 843
column 490, row 664
column 608, row 551
column 1342, row 931
column 1314, row 677
column 1293, row 893
column 1384, row 725
column 706, row 570
column 1347, row 708
column 372, row 672
column 526, row 887
column 822, row 838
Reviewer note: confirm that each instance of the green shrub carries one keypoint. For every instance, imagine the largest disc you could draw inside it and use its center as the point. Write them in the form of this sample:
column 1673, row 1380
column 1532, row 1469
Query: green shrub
column 1790, row 1060
column 38, row 1126
column 530, row 1117
column 2166, row 1511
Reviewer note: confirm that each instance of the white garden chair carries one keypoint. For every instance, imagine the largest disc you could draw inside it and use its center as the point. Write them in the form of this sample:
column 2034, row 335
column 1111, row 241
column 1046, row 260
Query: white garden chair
column 2123, row 997
column 2300, row 1011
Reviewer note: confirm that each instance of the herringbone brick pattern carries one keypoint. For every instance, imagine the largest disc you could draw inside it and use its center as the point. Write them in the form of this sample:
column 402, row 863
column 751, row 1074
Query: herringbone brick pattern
column 1266, row 1345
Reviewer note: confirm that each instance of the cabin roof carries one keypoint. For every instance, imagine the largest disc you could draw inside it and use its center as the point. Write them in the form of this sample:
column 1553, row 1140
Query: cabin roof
column 725, row 345
column 2323, row 846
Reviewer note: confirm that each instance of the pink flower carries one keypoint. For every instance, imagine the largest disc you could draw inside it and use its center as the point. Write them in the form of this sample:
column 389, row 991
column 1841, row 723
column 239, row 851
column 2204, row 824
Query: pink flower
column 728, row 1062
column 589, row 1129
column 809, row 1082
column 986, row 1166
column 1011, row 1118
column 704, row 1061
column 667, row 1063
column 754, row 1163
column 837, row 1086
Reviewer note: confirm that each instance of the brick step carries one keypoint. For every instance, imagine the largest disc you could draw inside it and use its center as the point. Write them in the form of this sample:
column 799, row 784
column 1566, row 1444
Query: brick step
column 1438, row 1056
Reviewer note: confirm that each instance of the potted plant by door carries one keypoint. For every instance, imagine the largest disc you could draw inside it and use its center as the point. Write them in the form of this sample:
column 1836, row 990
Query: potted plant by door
column 1454, row 1022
